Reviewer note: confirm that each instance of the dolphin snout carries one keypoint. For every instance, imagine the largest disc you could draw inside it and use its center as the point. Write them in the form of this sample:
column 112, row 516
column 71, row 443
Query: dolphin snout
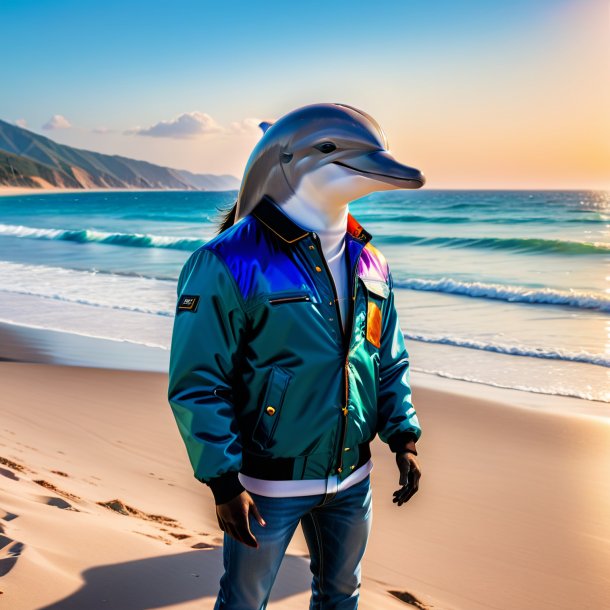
column 380, row 165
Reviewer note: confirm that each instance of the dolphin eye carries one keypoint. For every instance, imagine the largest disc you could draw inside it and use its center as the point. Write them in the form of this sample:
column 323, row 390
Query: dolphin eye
column 326, row 147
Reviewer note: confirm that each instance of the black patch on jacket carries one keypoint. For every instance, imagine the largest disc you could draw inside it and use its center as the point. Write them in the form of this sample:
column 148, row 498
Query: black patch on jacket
column 188, row 302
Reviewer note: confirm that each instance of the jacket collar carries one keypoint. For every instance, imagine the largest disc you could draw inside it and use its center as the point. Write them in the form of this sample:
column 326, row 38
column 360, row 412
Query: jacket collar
column 271, row 215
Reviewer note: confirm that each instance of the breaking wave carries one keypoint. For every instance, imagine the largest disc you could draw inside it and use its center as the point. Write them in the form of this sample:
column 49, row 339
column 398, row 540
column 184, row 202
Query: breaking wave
column 143, row 240
column 530, row 245
column 512, row 294
column 83, row 236
column 514, row 350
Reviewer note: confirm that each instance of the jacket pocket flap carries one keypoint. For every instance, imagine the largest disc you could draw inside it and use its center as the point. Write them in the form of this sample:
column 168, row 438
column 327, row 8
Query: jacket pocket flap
column 377, row 287
column 270, row 410
column 276, row 386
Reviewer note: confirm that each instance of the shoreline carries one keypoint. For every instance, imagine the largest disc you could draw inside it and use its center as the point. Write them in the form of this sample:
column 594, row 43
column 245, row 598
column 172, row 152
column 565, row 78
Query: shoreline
column 81, row 444
column 8, row 191
column 36, row 345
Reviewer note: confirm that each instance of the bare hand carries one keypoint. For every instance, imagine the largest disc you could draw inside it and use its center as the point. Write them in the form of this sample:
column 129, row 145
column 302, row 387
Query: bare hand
column 233, row 518
column 409, row 477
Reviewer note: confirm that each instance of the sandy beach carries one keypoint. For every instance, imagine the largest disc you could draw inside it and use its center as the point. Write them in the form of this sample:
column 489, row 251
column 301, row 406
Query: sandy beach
column 45, row 190
column 99, row 507
column 26, row 190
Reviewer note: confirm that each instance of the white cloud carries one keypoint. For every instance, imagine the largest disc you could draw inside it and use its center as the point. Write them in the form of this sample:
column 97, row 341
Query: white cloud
column 21, row 123
column 187, row 125
column 57, row 121
column 192, row 125
column 103, row 130
column 248, row 125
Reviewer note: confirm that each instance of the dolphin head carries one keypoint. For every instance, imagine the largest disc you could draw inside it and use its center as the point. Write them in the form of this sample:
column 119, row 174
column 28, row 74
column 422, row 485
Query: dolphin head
column 329, row 148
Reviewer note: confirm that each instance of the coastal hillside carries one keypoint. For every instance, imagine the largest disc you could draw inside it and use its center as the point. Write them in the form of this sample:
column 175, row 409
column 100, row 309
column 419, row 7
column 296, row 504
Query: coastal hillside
column 22, row 171
column 29, row 159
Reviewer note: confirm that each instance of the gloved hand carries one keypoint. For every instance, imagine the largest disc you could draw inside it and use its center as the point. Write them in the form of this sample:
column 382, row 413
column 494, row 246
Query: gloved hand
column 233, row 518
column 410, row 474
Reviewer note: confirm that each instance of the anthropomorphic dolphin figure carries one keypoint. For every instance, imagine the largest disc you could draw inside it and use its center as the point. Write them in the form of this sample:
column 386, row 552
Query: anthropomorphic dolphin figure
column 288, row 358
column 322, row 154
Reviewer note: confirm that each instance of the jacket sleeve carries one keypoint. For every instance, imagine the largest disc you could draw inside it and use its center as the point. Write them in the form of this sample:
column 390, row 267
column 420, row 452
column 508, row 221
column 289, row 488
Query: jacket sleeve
column 398, row 424
column 205, row 348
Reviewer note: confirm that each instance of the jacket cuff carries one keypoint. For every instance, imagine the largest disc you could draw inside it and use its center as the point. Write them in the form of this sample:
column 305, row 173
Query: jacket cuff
column 225, row 487
column 403, row 441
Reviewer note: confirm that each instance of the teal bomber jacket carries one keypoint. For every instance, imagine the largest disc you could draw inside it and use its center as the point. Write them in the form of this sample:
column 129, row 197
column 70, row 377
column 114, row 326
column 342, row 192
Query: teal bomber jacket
column 263, row 380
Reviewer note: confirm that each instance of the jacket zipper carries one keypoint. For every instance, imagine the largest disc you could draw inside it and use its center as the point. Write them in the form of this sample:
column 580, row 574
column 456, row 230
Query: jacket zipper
column 346, row 346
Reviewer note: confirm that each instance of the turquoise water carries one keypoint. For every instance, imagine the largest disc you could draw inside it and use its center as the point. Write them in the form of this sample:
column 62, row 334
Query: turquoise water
column 507, row 288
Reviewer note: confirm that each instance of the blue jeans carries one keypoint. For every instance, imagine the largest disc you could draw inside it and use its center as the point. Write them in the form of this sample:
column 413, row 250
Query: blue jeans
column 336, row 528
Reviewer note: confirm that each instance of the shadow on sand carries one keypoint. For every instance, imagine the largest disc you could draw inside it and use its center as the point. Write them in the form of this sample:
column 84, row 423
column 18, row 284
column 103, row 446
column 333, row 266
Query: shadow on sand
column 171, row 579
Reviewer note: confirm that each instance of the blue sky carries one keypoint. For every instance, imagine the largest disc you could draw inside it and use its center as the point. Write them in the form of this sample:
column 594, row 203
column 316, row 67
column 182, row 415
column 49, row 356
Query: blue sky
column 434, row 74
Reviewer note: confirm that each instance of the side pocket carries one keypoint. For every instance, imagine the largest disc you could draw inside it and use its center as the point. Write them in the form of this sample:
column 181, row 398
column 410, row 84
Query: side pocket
column 271, row 407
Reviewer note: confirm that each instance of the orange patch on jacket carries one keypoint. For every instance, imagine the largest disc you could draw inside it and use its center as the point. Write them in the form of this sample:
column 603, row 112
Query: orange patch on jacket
column 373, row 324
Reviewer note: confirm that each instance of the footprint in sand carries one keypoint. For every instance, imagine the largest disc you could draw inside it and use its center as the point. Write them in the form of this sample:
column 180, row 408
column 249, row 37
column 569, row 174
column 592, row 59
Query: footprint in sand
column 410, row 599
column 118, row 506
column 59, row 472
column 9, row 554
column 7, row 516
column 9, row 549
column 58, row 502
column 12, row 465
column 179, row 536
column 56, row 489
column 9, row 474
column 164, row 540
column 203, row 546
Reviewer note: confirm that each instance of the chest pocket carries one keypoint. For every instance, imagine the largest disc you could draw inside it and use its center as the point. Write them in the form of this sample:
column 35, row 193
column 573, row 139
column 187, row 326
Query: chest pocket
column 281, row 299
column 377, row 292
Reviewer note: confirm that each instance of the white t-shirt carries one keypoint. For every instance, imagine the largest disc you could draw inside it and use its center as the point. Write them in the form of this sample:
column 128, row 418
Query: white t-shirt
column 333, row 249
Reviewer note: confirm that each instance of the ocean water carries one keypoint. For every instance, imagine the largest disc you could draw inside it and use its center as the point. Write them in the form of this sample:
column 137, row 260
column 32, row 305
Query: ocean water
column 504, row 288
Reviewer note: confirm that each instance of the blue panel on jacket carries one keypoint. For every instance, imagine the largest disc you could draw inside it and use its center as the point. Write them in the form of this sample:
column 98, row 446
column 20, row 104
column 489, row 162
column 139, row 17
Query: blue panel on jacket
column 259, row 262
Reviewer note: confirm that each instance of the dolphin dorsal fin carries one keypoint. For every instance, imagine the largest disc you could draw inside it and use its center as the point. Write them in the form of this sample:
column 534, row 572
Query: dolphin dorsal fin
column 265, row 125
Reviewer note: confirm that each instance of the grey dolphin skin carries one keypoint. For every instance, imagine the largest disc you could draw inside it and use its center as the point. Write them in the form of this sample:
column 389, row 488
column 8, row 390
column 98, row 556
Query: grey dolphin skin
column 312, row 136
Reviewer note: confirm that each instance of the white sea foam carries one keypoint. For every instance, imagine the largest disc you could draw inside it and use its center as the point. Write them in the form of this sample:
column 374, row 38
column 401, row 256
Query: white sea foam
column 513, row 294
column 133, row 240
column 514, row 350
column 128, row 293
column 555, row 391
column 157, row 297
column 90, row 335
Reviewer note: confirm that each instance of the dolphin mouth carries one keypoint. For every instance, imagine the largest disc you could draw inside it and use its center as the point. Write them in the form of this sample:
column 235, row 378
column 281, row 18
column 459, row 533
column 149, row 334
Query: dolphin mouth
column 380, row 165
